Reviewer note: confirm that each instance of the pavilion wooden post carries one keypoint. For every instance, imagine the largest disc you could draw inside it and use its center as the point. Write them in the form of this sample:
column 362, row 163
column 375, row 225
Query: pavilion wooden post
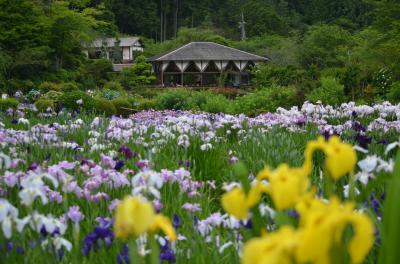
column 201, row 73
column 162, row 74
column 181, row 77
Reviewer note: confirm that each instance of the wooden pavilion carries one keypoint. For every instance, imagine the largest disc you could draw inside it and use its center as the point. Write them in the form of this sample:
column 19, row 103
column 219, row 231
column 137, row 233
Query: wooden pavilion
column 203, row 64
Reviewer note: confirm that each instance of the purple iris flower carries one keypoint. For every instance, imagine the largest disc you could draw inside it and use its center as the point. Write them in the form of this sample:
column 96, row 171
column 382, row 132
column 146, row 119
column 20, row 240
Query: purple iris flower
column 357, row 126
column 127, row 152
column 363, row 141
column 44, row 233
column 185, row 163
column 101, row 232
column 32, row 167
column 384, row 141
column 123, row 257
column 20, row 250
column 293, row 213
column 249, row 224
column 75, row 215
column 9, row 246
column 167, row 254
column 176, row 221
column 89, row 243
column 119, row 164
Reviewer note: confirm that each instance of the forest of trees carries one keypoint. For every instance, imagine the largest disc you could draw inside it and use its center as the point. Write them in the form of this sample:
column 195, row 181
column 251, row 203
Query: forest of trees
column 356, row 42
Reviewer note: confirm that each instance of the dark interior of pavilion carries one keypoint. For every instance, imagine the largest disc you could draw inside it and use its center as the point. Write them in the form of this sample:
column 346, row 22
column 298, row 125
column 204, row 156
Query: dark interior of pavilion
column 231, row 76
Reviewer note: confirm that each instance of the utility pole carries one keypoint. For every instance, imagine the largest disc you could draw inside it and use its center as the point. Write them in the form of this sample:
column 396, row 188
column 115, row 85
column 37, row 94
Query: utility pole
column 242, row 26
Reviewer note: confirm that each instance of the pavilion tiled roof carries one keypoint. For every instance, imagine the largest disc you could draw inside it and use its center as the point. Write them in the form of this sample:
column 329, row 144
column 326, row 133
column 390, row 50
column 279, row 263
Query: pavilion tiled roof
column 206, row 51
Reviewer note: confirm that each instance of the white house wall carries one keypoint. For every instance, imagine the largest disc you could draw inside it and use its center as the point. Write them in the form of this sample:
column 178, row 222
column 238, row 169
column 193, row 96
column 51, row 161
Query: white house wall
column 126, row 55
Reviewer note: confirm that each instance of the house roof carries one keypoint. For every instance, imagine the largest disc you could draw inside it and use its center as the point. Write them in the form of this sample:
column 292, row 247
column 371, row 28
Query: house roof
column 206, row 51
column 123, row 42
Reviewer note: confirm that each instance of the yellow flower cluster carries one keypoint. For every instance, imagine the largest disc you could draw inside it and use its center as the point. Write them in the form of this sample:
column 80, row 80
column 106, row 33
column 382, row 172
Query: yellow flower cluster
column 321, row 229
column 340, row 158
column 134, row 216
column 237, row 203
column 287, row 185
column 321, row 223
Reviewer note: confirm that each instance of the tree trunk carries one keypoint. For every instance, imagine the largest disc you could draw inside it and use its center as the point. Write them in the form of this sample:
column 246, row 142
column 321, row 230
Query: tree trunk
column 161, row 21
column 176, row 18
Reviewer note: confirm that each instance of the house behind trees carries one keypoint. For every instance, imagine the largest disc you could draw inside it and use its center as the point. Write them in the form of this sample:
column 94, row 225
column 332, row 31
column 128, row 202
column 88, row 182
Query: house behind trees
column 121, row 51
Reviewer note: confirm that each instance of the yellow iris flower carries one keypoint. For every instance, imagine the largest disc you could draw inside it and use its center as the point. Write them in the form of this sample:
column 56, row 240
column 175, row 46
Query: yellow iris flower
column 238, row 204
column 274, row 248
column 286, row 185
column 322, row 225
column 340, row 158
column 135, row 216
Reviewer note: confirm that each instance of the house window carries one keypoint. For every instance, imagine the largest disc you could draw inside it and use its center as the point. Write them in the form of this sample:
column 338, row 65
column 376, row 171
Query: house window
column 96, row 54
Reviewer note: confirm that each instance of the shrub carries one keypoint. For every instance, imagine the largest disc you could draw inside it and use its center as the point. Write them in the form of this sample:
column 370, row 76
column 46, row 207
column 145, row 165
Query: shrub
column 137, row 75
column 146, row 104
column 52, row 95
column 8, row 103
column 265, row 100
column 174, row 100
column 45, row 87
column 69, row 100
column 228, row 92
column 69, row 87
column 113, row 85
column 199, row 99
column 23, row 85
column 330, row 92
column 394, row 92
column 33, row 95
column 97, row 70
column 105, row 106
column 43, row 104
column 216, row 104
column 122, row 106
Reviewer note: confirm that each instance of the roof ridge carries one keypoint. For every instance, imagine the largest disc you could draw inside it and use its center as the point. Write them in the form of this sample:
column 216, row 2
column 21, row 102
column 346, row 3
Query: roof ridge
column 173, row 51
column 239, row 50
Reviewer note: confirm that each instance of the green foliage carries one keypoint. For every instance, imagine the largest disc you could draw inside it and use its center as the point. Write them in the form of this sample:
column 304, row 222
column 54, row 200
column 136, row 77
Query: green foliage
column 43, row 104
column 137, row 75
column 263, row 19
column 110, row 94
column 330, row 92
column 394, row 93
column 14, row 85
column 391, row 227
column 123, row 106
column 105, row 106
column 174, row 100
column 145, row 104
column 113, row 85
column 45, row 87
column 269, row 74
column 281, row 50
column 324, row 44
column 96, row 70
column 216, row 104
column 265, row 100
column 8, row 103
column 69, row 101
column 69, row 87
column 52, row 95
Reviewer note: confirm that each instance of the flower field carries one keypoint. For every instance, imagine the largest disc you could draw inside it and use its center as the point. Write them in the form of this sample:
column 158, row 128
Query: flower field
column 314, row 184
